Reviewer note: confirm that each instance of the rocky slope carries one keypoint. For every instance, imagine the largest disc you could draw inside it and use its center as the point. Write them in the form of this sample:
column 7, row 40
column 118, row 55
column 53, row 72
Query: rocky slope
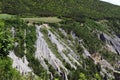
column 51, row 52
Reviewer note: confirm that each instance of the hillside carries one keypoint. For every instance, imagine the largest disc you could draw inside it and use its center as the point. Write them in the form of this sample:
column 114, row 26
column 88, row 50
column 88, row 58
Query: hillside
column 59, row 40
column 67, row 50
column 77, row 9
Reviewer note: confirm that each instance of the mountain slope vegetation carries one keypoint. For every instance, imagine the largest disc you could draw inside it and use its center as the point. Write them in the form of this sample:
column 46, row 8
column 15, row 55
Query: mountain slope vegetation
column 77, row 9
column 79, row 49
column 59, row 40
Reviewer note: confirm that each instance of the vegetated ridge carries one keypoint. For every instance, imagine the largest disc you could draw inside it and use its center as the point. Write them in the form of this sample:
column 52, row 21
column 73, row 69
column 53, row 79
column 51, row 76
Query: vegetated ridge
column 84, row 44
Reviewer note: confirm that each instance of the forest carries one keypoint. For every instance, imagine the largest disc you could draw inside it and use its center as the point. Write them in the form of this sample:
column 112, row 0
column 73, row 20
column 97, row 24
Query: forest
column 76, row 9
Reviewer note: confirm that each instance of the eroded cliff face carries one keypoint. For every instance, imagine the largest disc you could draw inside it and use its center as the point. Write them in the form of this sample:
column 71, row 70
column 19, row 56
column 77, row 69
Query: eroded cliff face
column 53, row 51
column 21, row 64
column 112, row 42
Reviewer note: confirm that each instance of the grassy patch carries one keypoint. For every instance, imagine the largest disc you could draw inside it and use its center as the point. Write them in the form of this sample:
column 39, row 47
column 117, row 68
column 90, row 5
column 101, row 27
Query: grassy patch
column 4, row 16
column 43, row 19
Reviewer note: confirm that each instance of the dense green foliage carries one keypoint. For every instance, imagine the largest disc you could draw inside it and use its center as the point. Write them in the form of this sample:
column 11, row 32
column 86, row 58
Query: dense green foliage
column 77, row 9
column 19, row 37
column 6, row 44
column 115, row 25
column 5, row 39
column 0, row 6
column 6, row 70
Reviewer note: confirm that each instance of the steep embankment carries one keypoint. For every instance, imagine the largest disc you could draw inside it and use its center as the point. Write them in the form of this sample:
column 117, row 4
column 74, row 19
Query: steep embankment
column 66, row 50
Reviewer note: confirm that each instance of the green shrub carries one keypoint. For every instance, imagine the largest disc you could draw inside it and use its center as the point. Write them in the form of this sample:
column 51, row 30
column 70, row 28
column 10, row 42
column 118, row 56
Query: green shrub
column 6, row 70
column 6, row 40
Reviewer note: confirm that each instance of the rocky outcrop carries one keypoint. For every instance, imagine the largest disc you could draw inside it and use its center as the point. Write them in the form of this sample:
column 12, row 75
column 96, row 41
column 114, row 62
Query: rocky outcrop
column 21, row 64
column 43, row 52
column 47, row 57
column 61, row 46
column 112, row 42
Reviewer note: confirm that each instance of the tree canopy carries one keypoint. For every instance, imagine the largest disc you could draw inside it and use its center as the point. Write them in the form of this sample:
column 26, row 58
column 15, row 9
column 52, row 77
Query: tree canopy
column 6, row 41
column 77, row 9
